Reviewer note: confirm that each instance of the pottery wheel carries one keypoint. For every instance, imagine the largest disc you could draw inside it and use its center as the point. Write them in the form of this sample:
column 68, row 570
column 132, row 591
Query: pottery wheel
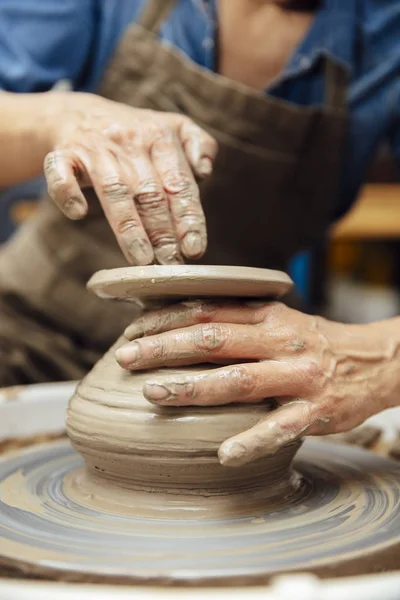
column 344, row 519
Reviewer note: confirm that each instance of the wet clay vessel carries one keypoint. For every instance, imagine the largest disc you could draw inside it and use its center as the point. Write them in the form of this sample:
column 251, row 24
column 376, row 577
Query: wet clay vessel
column 125, row 439
column 142, row 497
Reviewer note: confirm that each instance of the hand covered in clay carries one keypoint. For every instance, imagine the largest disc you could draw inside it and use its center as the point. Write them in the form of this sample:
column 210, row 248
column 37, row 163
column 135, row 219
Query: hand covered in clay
column 326, row 377
column 141, row 163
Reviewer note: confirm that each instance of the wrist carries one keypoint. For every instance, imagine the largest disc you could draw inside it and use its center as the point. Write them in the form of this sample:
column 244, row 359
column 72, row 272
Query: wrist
column 27, row 124
column 34, row 117
column 369, row 356
column 385, row 337
column 51, row 108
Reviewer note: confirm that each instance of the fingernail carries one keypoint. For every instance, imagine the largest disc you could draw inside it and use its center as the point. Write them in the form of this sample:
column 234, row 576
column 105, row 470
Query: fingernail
column 169, row 255
column 74, row 208
column 128, row 355
column 232, row 454
column 204, row 167
column 154, row 392
column 141, row 252
column 193, row 245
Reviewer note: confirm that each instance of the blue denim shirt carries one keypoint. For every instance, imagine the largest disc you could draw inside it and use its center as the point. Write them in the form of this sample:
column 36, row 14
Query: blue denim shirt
column 44, row 41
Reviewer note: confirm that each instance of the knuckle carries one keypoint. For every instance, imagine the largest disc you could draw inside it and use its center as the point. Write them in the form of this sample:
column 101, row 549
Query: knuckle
column 295, row 343
column 310, row 371
column 113, row 132
column 126, row 225
column 157, row 349
column 276, row 309
column 274, row 312
column 300, row 419
column 312, row 415
column 134, row 150
column 160, row 137
column 204, row 311
column 153, row 325
column 188, row 127
column 178, row 182
column 114, row 189
column 209, row 338
column 165, row 243
column 242, row 381
column 210, row 142
column 186, row 389
column 184, row 120
column 149, row 195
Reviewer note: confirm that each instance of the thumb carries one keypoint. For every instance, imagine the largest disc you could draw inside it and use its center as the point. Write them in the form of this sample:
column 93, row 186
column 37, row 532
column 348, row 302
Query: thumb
column 283, row 426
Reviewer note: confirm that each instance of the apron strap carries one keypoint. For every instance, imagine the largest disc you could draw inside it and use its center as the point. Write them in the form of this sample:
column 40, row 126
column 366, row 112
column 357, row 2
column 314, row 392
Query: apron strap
column 335, row 85
column 154, row 13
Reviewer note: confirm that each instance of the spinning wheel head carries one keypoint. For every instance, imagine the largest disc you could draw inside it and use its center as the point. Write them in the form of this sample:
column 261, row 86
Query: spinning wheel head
column 343, row 519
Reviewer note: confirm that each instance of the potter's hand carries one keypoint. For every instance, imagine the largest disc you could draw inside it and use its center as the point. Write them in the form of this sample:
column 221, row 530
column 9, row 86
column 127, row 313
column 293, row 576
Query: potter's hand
column 327, row 377
column 140, row 164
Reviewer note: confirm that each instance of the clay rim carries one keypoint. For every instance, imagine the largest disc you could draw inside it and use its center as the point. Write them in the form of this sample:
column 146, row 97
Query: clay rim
column 185, row 281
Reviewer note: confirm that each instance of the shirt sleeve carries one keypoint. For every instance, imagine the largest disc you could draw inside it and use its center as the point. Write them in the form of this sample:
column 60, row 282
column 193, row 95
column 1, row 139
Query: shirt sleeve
column 43, row 42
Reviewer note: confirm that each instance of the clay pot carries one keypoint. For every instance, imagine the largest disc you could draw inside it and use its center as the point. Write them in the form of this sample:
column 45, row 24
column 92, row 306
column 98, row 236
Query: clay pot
column 128, row 441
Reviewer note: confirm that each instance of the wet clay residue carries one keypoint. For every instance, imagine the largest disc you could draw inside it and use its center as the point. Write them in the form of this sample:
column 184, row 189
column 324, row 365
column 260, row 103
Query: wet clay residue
column 12, row 444
column 343, row 519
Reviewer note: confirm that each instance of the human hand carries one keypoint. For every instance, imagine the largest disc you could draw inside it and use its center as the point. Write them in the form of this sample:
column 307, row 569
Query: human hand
column 140, row 164
column 326, row 377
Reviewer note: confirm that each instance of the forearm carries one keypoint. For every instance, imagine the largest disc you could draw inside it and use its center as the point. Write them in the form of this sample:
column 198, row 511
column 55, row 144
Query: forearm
column 25, row 135
column 368, row 355
column 387, row 336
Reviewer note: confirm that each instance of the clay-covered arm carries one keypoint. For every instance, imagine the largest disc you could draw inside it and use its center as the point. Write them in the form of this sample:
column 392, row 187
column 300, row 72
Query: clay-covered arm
column 326, row 377
column 142, row 164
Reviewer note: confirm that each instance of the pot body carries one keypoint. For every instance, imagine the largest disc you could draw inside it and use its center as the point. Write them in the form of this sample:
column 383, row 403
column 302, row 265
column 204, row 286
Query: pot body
column 124, row 438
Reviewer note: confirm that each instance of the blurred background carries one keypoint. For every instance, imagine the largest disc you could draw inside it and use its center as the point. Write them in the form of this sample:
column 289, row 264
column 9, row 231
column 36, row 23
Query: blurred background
column 354, row 274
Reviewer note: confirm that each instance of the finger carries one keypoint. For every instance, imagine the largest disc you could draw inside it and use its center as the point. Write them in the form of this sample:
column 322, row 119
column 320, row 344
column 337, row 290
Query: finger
column 200, row 147
column 60, row 169
column 193, row 345
column 152, row 205
column 252, row 382
column 183, row 194
column 115, row 193
column 283, row 426
column 186, row 314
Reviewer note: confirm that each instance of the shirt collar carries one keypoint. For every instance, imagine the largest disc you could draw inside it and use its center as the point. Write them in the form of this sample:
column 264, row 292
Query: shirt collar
column 332, row 34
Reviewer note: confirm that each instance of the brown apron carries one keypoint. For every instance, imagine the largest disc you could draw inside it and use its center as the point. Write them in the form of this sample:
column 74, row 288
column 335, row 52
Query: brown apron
column 272, row 192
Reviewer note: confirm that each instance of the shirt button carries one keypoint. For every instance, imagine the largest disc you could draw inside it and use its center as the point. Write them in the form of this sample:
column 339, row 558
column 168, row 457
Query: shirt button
column 208, row 43
column 304, row 62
